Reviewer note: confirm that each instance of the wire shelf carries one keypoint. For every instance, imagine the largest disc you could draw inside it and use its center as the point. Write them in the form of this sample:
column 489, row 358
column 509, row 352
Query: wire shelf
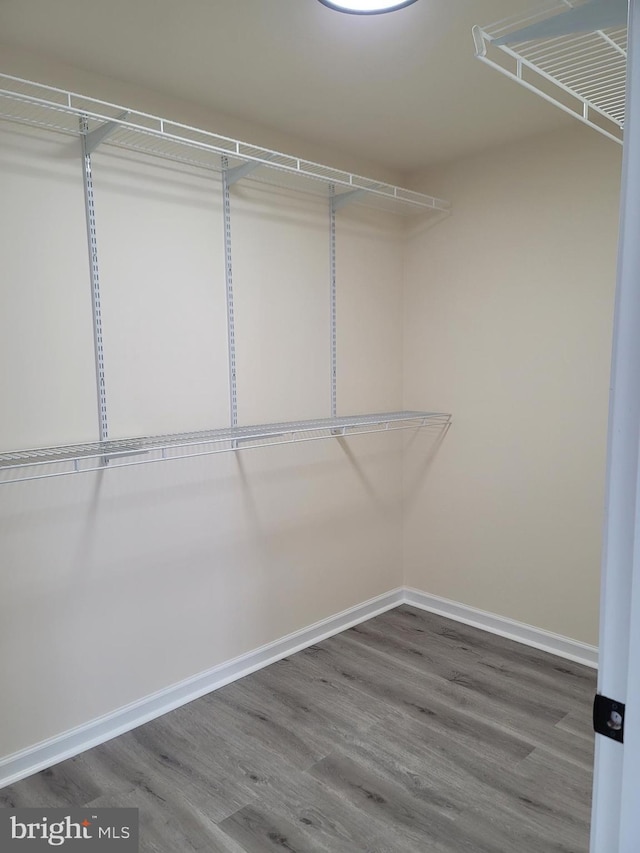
column 583, row 74
column 54, row 109
column 40, row 463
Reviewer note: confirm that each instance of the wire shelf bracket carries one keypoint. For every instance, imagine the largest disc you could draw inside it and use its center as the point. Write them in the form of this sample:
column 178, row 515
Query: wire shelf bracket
column 581, row 73
column 93, row 138
column 239, row 172
column 342, row 200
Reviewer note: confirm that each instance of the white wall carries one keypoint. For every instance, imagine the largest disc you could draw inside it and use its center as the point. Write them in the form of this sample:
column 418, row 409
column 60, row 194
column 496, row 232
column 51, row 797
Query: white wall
column 281, row 280
column 115, row 585
column 47, row 381
column 161, row 257
column 39, row 68
column 118, row 584
column 508, row 317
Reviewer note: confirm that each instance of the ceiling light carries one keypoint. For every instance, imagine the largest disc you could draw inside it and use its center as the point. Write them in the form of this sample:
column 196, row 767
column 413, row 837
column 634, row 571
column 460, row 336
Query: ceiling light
column 366, row 7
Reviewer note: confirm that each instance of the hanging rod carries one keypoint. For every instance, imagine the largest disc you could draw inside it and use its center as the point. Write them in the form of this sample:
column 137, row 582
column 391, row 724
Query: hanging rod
column 21, row 465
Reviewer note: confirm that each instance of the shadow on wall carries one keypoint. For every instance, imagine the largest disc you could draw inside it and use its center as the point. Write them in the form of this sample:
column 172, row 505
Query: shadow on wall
column 359, row 471
column 83, row 557
column 414, row 478
column 126, row 580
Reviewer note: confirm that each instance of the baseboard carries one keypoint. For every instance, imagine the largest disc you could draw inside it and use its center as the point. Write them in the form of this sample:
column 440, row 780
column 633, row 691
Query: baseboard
column 563, row 647
column 47, row 753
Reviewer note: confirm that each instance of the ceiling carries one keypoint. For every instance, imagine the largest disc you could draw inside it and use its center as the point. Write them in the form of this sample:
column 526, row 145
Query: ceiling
column 403, row 90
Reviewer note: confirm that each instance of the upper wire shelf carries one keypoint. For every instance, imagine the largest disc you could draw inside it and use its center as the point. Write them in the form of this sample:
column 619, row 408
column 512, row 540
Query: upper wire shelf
column 21, row 465
column 583, row 74
column 55, row 109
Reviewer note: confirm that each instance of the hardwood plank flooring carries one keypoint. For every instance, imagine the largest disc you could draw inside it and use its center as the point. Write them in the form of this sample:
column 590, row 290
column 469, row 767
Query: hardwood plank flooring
column 406, row 734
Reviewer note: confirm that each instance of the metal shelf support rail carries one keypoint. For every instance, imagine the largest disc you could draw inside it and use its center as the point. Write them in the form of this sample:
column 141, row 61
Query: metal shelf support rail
column 227, row 180
column 87, row 179
column 42, row 463
column 333, row 304
column 336, row 202
column 583, row 74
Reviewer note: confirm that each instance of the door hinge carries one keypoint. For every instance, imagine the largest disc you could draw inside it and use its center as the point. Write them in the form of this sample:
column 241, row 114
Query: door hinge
column 608, row 717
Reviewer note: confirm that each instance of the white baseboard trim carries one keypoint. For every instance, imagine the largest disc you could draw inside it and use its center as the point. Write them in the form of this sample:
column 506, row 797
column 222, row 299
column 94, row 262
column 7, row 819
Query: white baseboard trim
column 47, row 753
column 563, row 647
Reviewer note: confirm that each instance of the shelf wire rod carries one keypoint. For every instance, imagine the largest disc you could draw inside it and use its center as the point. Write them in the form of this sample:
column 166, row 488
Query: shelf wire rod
column 583, row 60
column 557, row 45
column 565, row 53
column 333, row 319
column 606, row 84
column 555, row 81
column 595, row 83
column 581, row 63
column 553, row 43
column 481, row 46
column 96, row 307
column 613, row 43
column 579, row 68
column 228, row 271
column 611, row 78
column 561, row 49
column 611, row 99
column 585, row 70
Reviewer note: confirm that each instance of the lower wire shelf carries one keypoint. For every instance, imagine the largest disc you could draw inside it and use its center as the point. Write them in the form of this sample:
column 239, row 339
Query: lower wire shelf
column 21, row 465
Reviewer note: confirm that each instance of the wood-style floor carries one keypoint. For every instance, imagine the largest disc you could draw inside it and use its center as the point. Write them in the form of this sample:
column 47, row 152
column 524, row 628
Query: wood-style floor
column 406, row 733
